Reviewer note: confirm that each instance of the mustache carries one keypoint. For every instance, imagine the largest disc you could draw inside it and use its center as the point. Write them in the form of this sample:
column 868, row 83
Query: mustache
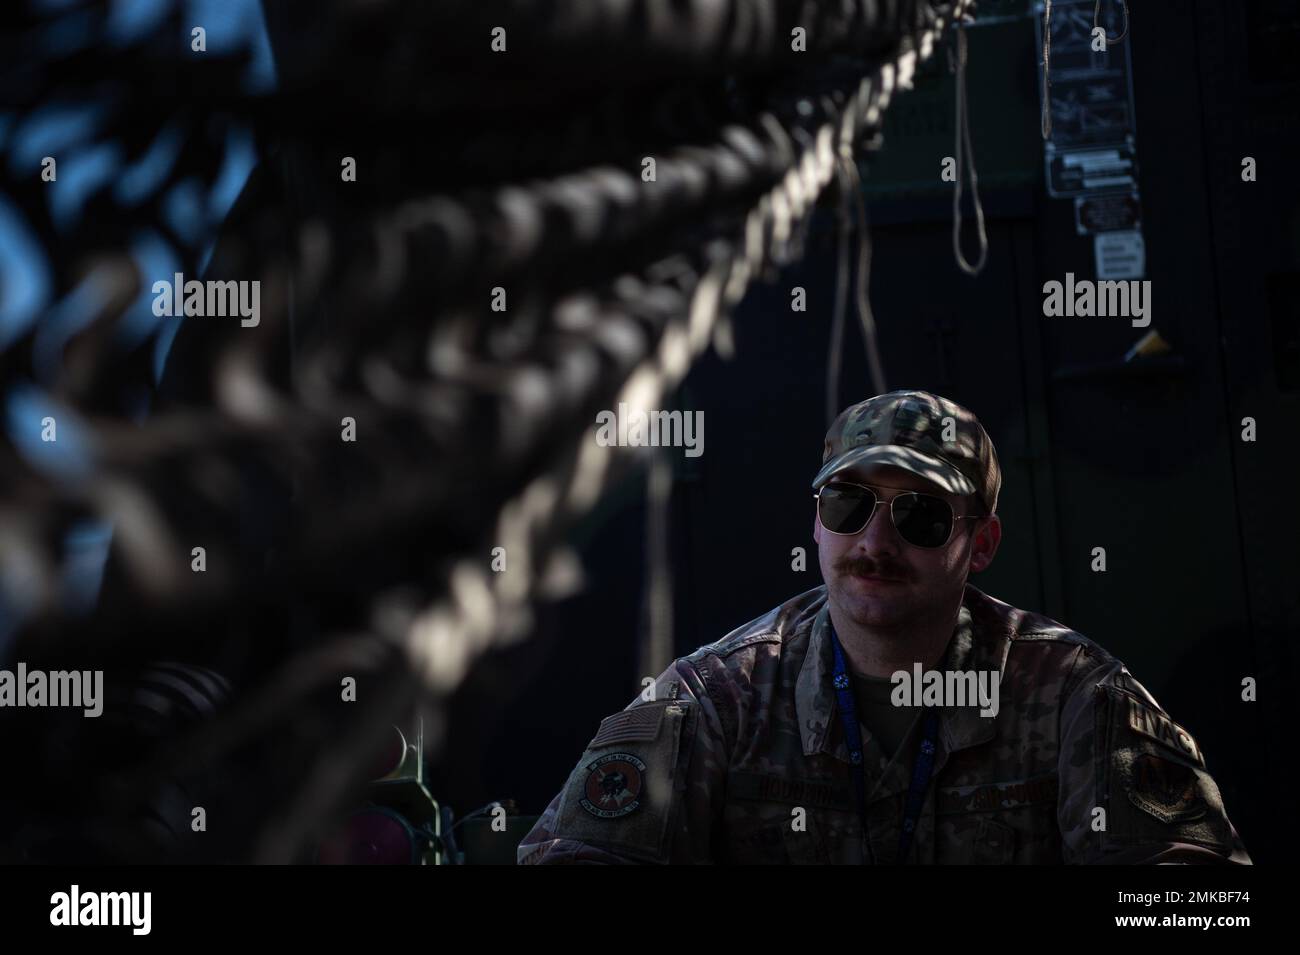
column 862, row 565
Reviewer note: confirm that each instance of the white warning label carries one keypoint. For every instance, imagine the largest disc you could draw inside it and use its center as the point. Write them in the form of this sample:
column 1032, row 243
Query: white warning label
column 1120, row 255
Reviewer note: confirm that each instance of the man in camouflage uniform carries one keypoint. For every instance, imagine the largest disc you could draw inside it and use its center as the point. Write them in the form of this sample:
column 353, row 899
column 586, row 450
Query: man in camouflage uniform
column 742, row 753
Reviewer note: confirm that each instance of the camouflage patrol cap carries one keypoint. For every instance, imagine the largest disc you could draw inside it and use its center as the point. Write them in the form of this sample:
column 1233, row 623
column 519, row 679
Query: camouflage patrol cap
column 906, row 429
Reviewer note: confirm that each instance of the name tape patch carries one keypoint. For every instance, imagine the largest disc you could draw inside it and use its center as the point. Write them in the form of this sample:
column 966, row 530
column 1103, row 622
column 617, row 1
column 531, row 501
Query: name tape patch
column 768, row 787
column 994, row 796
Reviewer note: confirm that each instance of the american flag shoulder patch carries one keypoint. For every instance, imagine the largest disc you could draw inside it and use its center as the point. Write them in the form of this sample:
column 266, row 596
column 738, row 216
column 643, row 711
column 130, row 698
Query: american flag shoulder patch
column 639, row 724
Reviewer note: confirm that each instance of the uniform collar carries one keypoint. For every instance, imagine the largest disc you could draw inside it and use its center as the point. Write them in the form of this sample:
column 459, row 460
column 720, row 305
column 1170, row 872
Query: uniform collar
column 975, row 645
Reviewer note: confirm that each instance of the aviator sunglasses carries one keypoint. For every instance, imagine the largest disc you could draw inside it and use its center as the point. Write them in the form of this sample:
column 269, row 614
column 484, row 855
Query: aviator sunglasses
column 922, row 520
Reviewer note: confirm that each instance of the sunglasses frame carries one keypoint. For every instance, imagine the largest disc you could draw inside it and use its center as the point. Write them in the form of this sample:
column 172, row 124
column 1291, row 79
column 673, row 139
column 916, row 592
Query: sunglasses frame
column 878, row 500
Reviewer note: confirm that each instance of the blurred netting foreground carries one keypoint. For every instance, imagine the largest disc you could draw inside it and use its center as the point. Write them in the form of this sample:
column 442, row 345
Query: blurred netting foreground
column 477, row 169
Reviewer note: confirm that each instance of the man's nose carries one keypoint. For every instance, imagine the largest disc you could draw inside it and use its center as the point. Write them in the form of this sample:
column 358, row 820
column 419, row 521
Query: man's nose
column 879, row 535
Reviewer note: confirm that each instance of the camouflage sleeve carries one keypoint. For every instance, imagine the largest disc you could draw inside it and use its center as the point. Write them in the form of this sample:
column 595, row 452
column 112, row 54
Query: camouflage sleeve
column 648, row 788
column 1134, row 785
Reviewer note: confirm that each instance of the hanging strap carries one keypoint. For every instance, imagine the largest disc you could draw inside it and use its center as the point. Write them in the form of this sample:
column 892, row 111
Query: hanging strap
column 1096, row 14
column 1047, row 69
column 964, row 146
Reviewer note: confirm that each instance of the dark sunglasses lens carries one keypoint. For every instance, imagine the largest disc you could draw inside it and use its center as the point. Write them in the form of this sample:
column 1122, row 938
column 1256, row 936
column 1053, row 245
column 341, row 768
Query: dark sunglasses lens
column 923, row 520
column 844, row 509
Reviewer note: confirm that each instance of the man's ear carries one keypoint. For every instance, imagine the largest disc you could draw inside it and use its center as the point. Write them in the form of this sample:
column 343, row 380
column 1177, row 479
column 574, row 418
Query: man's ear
column 817, row 527
column 984, row 543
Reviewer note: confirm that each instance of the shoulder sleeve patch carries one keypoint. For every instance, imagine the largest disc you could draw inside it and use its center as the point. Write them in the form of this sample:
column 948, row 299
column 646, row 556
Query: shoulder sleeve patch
column 1154, row 778
column 624, row 791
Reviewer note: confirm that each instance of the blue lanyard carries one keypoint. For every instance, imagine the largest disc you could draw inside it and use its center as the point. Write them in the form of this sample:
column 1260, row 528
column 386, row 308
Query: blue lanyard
column 921, row 770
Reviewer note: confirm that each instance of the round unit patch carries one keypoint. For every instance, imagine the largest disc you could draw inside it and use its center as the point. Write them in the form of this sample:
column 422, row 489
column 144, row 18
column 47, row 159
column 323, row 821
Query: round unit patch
column 613, row 786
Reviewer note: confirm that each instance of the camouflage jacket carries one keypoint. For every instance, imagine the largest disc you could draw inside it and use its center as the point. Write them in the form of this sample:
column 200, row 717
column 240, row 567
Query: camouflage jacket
column 738, row 755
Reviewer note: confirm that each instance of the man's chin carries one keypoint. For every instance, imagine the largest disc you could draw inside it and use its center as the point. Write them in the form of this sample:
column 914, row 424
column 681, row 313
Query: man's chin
column 876, row 611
